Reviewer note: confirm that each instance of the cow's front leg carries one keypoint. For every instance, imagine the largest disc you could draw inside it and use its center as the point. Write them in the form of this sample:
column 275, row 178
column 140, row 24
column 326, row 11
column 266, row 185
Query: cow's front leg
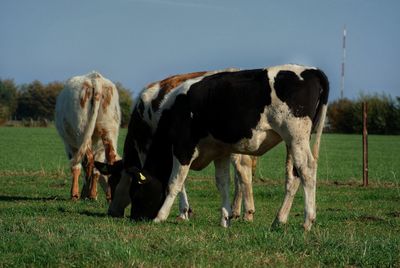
column 184, row 208
column 176, row 182
column 222, row 178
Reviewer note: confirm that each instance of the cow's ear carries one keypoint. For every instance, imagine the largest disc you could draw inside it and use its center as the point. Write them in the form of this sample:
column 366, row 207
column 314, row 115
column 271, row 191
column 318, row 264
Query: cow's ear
column 137, row 175
column 104, row 168
column 107, row 169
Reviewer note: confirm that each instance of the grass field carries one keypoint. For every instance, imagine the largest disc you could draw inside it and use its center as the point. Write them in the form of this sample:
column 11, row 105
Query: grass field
column 356, row 226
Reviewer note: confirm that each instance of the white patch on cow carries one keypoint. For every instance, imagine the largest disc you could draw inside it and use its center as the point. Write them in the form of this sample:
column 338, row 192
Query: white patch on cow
column 279, row 114
column 147, row 96
column 297, row 69
column 183, row 88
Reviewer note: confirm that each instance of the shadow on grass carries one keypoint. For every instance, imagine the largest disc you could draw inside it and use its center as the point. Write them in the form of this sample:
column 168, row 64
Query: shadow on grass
column 93, row 214
column 7, row 198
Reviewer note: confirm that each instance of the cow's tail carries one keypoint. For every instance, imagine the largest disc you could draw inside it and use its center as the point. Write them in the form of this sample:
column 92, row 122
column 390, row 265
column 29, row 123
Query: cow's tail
column 322, row 107
column 92, row 118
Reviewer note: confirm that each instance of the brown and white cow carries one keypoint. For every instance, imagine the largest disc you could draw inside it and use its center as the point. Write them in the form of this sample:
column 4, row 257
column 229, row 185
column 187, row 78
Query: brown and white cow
column 151, row 97
column 87, row 119
column 210, row 117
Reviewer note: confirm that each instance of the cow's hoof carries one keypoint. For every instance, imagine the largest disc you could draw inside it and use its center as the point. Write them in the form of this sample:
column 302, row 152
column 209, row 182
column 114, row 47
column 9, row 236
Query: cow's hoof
column 277, row 225
column 235, row 216
column 93, row 198
column 185, row 215
column 115, row 214
column 190, row 213
column 225, row 222
column 157, row 220
column 75, row 197
column 182, row 218
column 308, row 224
column 249, row 216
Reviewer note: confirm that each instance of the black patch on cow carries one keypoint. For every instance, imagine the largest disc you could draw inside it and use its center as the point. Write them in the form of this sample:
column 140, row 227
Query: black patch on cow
column 140, row 107
column 155, row 103
column 228, row 105
column 139, row 134
column 302, row 96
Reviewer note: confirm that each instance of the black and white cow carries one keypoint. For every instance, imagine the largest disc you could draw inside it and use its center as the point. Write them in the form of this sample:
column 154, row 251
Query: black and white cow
column 144, row 124
column 208, row 118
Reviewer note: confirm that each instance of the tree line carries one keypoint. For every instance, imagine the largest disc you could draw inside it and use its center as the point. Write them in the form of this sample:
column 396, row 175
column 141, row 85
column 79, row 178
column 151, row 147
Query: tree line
column 345, row 115
column 36, row 101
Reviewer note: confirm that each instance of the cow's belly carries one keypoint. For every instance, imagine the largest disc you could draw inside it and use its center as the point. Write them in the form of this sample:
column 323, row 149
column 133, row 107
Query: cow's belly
column 260, row 143
column 210, row 149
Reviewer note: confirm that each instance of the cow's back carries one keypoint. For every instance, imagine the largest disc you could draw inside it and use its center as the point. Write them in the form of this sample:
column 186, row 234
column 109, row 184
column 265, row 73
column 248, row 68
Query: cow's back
column 72, row 110
column 74, row 106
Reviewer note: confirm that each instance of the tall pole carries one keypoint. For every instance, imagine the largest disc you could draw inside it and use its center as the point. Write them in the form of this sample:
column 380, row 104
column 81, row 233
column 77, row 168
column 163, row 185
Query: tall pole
column 365, row 143
column 343, row 62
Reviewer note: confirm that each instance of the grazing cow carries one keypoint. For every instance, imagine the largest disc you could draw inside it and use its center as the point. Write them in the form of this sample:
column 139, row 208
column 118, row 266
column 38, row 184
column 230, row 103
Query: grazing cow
column 143, row 117
column 208, row 118
column 88, row 118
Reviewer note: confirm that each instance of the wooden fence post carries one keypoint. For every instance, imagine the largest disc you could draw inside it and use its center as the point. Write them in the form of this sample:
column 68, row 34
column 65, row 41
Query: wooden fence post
column 365, row 144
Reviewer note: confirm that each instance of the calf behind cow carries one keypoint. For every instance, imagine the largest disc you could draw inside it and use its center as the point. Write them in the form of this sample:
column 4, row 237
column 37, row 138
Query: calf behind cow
column 209, row 118
column 87, row 119
column 143, row 125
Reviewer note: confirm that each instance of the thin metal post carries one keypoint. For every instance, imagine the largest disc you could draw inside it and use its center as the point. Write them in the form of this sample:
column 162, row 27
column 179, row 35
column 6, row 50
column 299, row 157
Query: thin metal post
column 343, row 62
column 365, row 144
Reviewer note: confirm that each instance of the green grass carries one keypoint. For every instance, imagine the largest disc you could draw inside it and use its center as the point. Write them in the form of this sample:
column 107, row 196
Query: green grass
column 356, row 226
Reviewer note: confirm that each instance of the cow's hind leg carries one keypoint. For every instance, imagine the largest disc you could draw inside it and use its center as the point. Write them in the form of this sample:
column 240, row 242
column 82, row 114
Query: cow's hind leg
column 291, row 187
column 76, row 172
column 89, row 189
column 109, row 140
column 306, row 166
column 86, row 182
column 222, row 178
column 243, row 186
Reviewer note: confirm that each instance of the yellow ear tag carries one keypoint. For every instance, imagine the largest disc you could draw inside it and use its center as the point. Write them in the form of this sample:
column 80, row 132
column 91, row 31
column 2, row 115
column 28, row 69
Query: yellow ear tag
column 142, row 178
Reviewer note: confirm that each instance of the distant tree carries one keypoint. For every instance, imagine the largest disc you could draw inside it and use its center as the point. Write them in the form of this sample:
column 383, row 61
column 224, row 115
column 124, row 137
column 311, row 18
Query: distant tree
column 8, row 99
column 341, row 116
column 383, row 113
column 126, row 103
column 37, row 101
column 345, row 116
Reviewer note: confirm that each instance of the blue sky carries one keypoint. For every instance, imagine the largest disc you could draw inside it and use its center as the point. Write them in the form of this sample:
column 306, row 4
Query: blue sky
column 136, row 42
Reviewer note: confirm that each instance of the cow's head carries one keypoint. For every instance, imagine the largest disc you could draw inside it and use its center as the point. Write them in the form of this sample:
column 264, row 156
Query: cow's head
column 147, row 194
